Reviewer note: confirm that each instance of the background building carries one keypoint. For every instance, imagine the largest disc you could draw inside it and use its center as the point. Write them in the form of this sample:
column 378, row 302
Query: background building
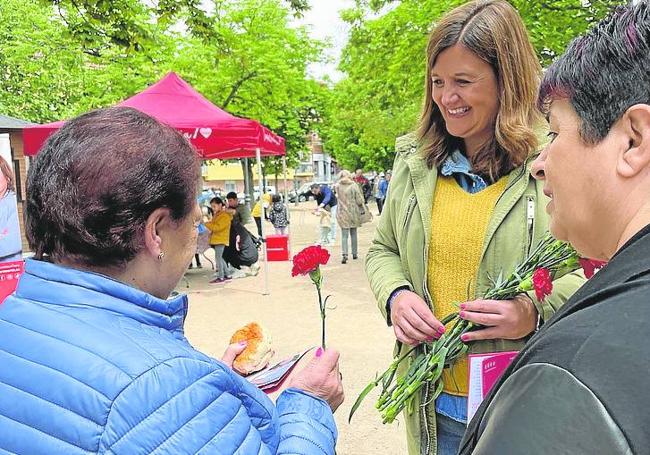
column 315, row 165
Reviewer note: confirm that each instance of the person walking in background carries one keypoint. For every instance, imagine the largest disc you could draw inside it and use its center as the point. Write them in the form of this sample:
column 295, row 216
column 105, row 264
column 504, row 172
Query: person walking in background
column 240, row 212
column 10, row 241
column 325, row 198
column 203, row 232
column 257, row 216
column 380, row 194
column 364, row 185
column 351, row 207
column 325, row 226
column 462, row 208
column 219, row 226
column 278, row 215
column 267, row 200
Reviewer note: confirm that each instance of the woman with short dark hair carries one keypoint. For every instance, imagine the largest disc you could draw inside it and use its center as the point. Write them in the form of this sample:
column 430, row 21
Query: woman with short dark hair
column 94, row 359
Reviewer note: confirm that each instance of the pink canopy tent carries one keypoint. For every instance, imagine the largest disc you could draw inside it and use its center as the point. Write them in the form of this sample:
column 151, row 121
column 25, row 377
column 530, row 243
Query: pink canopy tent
column 214, row 132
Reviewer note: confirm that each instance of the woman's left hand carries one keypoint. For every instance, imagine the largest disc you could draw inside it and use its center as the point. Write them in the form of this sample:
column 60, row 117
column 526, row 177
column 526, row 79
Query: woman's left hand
column 505, row 319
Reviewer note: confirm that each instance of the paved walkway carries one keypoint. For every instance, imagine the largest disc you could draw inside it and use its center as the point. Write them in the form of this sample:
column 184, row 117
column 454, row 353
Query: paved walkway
column 290, row 312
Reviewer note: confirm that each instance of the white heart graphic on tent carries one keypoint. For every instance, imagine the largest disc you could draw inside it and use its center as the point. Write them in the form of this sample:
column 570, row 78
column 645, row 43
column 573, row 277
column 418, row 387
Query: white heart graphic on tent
column 205, row 132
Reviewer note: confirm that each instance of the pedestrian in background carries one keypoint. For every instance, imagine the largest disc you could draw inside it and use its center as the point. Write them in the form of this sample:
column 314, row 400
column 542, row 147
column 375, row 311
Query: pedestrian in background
column 239, row 211
column 219, row 226
column 257, row 216
column 278, row 215
column 325, row 198
column 380, row 194
column 364, row 184
column 351, row 207
column 325, row 227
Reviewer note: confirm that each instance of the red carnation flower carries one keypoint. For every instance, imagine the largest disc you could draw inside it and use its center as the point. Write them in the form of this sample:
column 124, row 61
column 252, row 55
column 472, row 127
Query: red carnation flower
column 590, row 266
column 542, row 283
column 309, row 259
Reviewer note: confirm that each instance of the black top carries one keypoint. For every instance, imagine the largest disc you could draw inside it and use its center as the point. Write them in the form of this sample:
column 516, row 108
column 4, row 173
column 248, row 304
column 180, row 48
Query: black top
column 580, row 386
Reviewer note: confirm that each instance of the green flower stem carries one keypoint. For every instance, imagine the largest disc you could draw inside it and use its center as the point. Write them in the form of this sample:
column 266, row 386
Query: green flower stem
column 322, row 314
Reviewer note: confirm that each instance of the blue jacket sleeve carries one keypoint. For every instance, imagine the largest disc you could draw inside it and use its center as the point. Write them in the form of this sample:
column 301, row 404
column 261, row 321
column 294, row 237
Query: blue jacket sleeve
column 306, row 424
column 327, row 194
column 191, row 406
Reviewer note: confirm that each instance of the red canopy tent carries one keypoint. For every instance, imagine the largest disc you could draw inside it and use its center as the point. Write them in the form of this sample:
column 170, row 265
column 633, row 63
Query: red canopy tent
column 214, row 132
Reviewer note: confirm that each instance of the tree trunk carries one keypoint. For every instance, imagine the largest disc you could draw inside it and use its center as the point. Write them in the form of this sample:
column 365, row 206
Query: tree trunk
column 247, row 170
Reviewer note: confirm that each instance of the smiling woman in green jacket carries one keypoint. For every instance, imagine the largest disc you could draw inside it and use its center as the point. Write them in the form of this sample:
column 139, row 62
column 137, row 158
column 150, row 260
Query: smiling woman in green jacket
column 462, row 207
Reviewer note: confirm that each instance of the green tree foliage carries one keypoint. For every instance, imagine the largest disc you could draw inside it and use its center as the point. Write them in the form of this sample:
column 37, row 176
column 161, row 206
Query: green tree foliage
column 60, row 58
column 384, row 62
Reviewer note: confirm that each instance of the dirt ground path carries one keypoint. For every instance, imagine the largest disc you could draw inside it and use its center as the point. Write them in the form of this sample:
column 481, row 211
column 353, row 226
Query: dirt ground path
column 290, row 312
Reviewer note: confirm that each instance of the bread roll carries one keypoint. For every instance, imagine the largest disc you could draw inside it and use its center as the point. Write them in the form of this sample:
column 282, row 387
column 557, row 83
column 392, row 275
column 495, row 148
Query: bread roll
column 258, row 351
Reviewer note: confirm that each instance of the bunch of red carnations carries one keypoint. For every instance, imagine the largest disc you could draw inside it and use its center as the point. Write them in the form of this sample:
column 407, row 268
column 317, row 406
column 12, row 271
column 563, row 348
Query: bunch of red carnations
column 550, row 260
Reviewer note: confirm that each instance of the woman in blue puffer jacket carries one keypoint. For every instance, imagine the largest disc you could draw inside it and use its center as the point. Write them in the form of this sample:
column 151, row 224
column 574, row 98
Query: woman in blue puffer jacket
column 92, row 349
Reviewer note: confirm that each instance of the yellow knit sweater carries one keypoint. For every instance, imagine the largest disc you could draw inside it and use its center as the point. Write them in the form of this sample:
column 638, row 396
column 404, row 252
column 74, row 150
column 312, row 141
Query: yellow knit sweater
column 459, row 221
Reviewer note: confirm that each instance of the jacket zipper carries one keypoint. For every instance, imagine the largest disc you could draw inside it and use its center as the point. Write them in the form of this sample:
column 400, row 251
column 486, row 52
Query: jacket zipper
column 530, row 220
column 422, row 411
column 427, row 389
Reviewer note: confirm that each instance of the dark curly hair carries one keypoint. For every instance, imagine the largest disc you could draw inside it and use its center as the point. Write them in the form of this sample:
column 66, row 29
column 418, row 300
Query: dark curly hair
column 96, row 181
column 604, row 72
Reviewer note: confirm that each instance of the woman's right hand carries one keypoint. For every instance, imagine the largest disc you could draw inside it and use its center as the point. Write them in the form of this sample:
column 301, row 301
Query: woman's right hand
column 321, row 377
column 413, row 321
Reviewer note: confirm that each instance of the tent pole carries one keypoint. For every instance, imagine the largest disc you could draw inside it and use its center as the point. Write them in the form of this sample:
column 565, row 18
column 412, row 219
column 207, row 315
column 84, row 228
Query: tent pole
column 284, row 171
column 258, row 155
column 247, row 187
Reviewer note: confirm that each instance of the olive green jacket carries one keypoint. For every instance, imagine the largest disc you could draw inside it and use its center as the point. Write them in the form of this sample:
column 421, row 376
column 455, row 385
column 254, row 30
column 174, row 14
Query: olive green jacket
column 398, row 255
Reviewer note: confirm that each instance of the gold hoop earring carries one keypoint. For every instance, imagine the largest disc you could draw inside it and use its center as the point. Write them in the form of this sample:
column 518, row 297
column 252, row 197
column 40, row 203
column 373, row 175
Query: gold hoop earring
column 161, row 255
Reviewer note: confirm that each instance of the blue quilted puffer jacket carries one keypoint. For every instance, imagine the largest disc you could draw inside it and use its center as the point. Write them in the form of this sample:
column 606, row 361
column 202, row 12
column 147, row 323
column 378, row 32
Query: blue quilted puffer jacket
column 90, row 365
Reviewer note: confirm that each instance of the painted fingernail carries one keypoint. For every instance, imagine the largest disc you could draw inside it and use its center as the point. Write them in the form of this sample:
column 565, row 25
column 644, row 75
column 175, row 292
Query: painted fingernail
column 429, row 339
column 462, row 315
column 319, row 352
column 442, row 329
column 243, row 343
column 464, row 337
column 462, row 306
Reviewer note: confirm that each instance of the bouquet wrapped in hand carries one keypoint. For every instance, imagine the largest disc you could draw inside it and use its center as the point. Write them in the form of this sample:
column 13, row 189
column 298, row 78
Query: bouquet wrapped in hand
column 551, row 259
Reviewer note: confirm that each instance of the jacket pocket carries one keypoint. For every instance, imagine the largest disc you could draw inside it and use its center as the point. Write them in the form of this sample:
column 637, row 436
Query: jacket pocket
column 403, row 234
column 410, row 208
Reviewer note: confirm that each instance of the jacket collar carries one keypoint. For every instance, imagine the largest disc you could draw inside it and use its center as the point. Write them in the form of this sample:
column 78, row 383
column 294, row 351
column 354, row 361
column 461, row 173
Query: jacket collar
column 424, row 182
column 54, row 284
